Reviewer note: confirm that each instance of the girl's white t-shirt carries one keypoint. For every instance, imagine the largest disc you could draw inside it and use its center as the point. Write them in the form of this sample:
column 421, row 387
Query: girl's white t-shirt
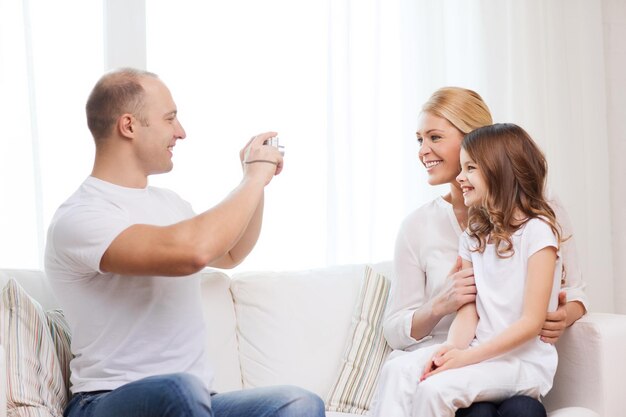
column 500, row 286
column 124, row 328
column 426, row 248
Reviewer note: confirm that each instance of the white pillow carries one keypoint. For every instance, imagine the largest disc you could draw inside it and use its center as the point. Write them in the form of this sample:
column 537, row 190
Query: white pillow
column 292, row 326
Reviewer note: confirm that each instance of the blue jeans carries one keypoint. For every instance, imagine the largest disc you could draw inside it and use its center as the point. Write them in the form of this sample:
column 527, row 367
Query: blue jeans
column 183, row 395
column 518, row 406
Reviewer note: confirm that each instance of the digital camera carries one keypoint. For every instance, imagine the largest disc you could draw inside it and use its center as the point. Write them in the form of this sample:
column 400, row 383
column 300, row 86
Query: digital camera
column 275, row 142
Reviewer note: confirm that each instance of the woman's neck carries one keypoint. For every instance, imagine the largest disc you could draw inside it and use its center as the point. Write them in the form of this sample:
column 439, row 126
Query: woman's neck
column 455, row 197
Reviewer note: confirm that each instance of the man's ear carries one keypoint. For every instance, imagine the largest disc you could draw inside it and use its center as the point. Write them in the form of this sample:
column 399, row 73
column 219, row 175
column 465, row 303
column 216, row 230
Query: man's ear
column 126, row 125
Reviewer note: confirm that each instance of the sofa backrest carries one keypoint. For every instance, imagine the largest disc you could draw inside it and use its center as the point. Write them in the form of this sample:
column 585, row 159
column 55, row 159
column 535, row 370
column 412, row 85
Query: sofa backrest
column 293, row 327
column 219, row 314
column 265, row 328
column 35, row 284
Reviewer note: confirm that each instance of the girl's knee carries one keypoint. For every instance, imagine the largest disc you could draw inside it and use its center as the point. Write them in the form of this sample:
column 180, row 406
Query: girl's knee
column 432, row 398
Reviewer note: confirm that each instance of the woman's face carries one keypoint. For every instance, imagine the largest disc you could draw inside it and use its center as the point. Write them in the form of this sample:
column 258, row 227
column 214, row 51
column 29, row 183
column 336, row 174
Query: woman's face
column 440, row 145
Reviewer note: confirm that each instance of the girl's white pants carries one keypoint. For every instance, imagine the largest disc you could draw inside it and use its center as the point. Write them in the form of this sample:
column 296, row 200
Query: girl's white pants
column 400, row 394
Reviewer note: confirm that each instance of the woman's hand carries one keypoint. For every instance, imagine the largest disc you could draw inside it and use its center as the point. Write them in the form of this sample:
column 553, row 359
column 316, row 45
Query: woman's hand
column 458, row 290
column 556, row 322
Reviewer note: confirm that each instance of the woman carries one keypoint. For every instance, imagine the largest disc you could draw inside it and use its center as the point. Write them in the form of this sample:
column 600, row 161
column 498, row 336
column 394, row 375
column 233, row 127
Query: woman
column 426, row 293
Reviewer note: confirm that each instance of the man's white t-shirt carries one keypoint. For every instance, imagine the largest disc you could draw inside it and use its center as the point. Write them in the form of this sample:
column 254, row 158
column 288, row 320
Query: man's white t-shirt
column 124, row 328
column 500, row 285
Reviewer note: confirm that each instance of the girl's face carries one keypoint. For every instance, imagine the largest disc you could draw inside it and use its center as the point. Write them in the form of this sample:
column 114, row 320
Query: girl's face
column 472, row 181
column 440, row 143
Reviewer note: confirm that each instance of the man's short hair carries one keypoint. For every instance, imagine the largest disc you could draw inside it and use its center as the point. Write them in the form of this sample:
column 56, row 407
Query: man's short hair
column 117, row 92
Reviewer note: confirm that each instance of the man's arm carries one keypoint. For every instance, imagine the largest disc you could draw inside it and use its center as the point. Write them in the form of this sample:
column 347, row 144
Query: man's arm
column 244, row 246
column 221, row 236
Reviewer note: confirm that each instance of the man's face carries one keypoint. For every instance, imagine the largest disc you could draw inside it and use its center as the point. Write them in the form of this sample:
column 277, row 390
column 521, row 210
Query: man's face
column 157, row 128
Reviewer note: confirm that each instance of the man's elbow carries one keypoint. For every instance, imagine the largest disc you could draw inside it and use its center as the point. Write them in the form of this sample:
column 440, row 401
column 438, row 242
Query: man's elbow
column 216, row 257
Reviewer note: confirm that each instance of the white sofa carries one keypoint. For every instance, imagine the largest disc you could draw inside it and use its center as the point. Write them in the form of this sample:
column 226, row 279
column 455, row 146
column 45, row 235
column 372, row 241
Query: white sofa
column 292, row 328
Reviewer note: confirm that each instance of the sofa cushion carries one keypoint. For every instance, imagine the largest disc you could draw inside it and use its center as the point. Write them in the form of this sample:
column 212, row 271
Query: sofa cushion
column 34, row 384
column 292, row 326
column 219, row 315
column 366, row 349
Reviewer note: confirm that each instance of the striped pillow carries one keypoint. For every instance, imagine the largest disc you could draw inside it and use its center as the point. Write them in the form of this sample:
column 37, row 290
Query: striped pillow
column 34, row 381
column 366, row 350
column 61, row 337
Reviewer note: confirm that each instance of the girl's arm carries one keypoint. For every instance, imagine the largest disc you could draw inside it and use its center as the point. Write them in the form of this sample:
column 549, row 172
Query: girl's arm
column 463, row 328
column 461, row 333
column 536, row 298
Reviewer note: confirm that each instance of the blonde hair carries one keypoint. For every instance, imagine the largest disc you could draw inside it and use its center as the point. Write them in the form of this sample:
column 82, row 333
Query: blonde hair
column 464, row 108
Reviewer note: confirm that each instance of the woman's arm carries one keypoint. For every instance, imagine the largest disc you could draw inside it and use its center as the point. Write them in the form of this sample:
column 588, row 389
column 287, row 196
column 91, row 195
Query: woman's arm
column 411, row 314
column 572, row 299
column 423, row 291
column 536, row 299
column 457, row 292
column 408, row 293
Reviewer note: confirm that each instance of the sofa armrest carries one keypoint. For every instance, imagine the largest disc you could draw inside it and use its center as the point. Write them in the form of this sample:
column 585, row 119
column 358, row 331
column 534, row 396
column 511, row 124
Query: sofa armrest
column 591, row 365
column 3, row 391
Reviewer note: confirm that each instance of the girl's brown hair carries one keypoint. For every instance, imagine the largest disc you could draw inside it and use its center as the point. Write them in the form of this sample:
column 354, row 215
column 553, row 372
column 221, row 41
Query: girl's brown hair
column 515, row 170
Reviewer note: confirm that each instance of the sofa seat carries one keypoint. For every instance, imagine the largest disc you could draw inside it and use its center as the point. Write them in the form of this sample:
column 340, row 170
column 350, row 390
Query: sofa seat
column 293, row 327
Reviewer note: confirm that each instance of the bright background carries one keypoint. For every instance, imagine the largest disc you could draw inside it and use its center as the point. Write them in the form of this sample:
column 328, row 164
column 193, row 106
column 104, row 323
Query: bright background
column 342, row 82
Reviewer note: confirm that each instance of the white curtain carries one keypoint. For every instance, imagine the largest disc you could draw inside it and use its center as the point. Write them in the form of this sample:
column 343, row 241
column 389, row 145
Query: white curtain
column 538, row 64
column 614, row 18
column 49, row 59
column 342, row 82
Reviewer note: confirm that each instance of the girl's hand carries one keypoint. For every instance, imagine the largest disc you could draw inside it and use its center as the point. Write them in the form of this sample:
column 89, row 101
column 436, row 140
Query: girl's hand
column 448, row 357
column 458, row 289
column 431, row 365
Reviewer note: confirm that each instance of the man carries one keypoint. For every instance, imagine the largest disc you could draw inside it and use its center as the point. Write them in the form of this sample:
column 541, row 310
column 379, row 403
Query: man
column 122, row 258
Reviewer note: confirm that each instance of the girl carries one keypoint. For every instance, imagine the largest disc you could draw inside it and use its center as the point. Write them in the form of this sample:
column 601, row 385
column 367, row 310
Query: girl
column 512, row 240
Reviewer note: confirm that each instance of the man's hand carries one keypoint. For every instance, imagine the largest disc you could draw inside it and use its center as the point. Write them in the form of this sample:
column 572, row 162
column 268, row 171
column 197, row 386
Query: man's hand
column 458, row 290
column 556, row 322
column 260, row 159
